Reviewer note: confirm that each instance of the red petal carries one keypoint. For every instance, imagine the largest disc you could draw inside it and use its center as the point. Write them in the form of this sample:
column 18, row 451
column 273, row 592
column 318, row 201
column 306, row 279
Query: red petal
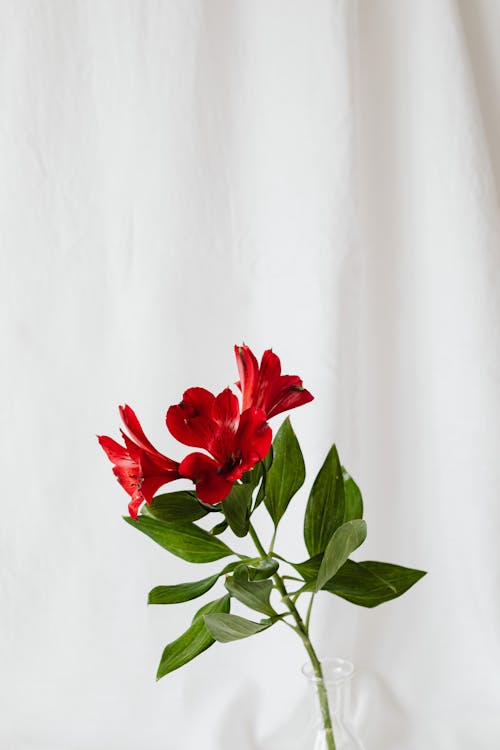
column 269, row 378
column 133, row 449
column 289, row 397
column 248, row 368
column 211, row 487
column 151, row 484
column 190, row 422
column 254, row 437
column 134, row 428
column 135, row 503
column 226, row 417
column 152, row 465
column 129, row 477
column 138, row 444
column 270, row 367
column 114, row 451
column 226, row 410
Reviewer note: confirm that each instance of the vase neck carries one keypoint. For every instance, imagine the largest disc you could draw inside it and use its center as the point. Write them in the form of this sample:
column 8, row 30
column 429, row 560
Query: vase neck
column 336, row 677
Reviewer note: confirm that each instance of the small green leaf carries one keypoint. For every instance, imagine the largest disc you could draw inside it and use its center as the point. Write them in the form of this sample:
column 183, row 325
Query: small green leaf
column 236, row 508
column 345, row 540
column 182, row 539
column 353, row 498
column 265, row 465
column 194, row 641
column 219, row 528
column 286, row 474
column 253, row 476
column 225, row 628
column 369, row 583
column 326, row 505
column 254, row 594
column 265, row 569
column 175, row 507
column 183, row 592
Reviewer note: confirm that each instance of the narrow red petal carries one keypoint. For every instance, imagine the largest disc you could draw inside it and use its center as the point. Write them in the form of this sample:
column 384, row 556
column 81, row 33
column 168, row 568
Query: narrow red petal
column 270, row 367
column 133, row 450
column 289, row 398
column 277, row 389
column 248, row 369
column 114, row 451
column 152, row 464
column 134, row 428
column 135, row 504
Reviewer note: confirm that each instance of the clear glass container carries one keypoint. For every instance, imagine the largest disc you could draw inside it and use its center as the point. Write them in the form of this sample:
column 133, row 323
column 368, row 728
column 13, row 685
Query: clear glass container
column 335, row 687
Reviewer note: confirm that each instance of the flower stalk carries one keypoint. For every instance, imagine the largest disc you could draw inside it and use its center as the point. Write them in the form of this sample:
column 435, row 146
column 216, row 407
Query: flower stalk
column 302, row 630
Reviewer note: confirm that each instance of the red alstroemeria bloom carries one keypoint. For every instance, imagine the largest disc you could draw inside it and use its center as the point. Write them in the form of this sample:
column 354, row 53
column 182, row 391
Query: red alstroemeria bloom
column 235, row 442
column 265, row 387
column 139, row 467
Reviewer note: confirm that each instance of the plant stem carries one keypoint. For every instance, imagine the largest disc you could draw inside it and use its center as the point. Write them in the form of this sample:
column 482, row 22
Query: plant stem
column 309, row 610
column 303, row 631
column 273, row 539
column 256, row 541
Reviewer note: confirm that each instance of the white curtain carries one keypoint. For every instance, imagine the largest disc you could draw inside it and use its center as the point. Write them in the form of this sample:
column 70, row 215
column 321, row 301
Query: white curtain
column 180, row 176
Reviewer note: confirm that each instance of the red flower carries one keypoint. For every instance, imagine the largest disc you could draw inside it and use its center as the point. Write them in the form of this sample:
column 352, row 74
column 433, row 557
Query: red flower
column 265, row 387
column 139, row 467
column 235, row 442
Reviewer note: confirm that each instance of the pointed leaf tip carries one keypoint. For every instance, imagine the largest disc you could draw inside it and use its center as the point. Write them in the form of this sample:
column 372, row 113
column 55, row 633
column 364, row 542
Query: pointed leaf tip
column 225, row 628
column 344, row 541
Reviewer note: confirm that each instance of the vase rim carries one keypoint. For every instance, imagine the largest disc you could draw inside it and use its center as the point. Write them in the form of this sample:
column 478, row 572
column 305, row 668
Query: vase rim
column 335, row 670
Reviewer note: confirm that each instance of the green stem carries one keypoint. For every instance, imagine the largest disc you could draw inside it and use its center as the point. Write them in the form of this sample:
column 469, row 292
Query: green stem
column 302, row 630
column 273, row 539
column 309, row 610
column 256, row 541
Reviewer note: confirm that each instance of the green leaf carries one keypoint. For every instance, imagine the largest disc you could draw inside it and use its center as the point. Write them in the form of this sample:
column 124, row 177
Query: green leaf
column 345, row 540
column 267, row 462
column 175, row 507
column 265, row 465
column 254, row 594
column 353, row 498
column 225, row 628
column 183, row 592
column 219, row 528
column 326, row 505
column 286, row 474
column 253, row 476
column 372, row 583
column 309, row 569
column 236, row 508
column 182, row 539
column 194, row 641
column 265, row 569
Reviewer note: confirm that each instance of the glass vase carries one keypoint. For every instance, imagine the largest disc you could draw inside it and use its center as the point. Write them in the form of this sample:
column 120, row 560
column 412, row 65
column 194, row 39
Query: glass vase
column 331, row 695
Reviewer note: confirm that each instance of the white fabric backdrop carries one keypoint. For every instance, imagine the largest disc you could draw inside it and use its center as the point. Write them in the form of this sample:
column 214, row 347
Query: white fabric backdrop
column 319, row 177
